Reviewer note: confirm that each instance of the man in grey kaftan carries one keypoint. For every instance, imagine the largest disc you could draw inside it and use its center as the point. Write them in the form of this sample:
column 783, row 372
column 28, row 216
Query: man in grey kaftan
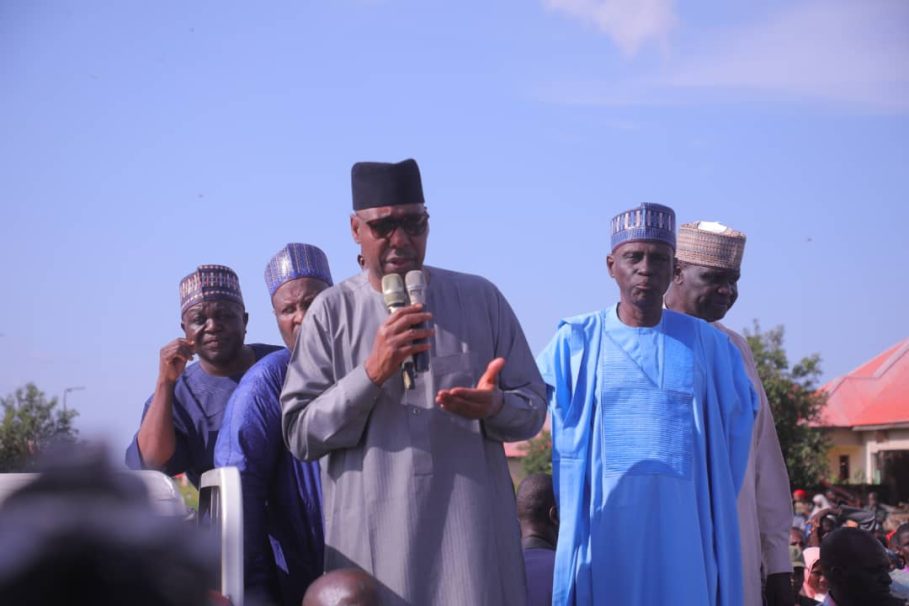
column 415, row 482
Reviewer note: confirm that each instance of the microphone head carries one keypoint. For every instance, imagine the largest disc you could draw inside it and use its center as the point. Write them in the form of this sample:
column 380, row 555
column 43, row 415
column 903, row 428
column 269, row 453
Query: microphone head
column 393, row 291
column 416, row 286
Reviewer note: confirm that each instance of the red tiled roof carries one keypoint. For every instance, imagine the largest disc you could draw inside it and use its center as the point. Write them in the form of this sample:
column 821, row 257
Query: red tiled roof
column 875, row 393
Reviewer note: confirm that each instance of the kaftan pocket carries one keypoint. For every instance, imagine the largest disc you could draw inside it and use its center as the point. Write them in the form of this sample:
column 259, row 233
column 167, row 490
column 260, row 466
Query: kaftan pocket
column 646, row 431
column 456, row 370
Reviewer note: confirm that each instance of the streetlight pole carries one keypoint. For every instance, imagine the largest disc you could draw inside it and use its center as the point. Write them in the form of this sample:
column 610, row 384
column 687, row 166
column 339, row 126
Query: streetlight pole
column 66, row 391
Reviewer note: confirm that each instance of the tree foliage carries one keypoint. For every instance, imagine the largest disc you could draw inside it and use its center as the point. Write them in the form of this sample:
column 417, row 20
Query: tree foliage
column 796, row 404
column 539, row 454
column 30, row 424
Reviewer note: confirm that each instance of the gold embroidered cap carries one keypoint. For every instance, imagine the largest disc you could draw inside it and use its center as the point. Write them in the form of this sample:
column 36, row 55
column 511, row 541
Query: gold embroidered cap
column 710, row 244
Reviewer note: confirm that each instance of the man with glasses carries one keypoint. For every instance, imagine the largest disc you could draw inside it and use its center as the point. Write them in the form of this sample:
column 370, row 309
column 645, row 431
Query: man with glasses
column 416, row 489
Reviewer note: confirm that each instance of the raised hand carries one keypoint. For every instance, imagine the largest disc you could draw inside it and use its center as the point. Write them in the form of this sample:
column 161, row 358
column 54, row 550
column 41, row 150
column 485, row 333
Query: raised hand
column 480, row 402
column 174, row 358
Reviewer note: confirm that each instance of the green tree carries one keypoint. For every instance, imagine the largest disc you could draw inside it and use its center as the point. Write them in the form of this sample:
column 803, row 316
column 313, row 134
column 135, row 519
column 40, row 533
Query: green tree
column 30, row 424
column 539, row 454
column 796, row 403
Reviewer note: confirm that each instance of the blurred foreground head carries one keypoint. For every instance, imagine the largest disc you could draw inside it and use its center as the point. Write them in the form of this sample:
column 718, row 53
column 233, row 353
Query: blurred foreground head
column 84, row 533
column 344, row 587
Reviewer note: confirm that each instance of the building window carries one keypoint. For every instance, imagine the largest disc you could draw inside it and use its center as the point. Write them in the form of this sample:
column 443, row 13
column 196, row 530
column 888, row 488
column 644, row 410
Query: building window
column 844, row 468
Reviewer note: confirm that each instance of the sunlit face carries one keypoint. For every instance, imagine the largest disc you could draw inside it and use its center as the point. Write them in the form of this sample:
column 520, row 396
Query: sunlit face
column 392, row 239
column 219, row 328
column 643, row 271
column 706, row 292
column 291, row 302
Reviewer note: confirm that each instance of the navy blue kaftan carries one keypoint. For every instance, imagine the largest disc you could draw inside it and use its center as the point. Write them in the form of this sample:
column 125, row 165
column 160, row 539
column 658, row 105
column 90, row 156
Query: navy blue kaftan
column 282, row 497
column 199, row 402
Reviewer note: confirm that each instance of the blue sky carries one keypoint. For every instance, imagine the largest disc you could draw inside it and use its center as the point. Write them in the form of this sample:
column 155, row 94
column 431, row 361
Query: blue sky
column 142, row 139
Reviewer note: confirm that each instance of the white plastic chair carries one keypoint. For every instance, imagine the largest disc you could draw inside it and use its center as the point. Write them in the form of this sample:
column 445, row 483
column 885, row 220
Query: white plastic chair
column 165, row 498
column 221, row 504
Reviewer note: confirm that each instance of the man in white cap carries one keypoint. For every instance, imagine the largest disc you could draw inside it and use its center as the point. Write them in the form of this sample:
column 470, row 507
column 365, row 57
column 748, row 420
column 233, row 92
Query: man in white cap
column 651, row 425
column 705, row 285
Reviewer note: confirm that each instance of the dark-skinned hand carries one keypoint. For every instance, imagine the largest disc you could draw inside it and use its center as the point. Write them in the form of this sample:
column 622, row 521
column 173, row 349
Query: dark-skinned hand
column 480, row 402
column 395, row 342
column 778, row 590
column 174, row 358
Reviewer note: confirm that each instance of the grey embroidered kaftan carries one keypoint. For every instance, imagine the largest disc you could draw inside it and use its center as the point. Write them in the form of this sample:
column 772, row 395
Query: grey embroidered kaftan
column 417, row 496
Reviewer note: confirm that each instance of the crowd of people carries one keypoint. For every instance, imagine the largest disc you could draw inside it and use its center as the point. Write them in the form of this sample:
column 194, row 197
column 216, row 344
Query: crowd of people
column 370, row 445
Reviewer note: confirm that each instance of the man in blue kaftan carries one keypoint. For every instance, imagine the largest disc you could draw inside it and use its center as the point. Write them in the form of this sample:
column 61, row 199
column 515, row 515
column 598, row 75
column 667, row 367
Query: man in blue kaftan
column 181, row 419
column 282, row 497
column 651, row 423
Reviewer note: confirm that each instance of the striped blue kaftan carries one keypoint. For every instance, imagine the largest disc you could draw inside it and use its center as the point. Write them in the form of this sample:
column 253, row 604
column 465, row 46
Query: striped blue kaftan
column 651, row 429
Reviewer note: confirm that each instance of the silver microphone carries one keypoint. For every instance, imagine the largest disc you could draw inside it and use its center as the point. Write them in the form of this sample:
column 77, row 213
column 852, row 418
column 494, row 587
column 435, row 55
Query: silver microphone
column 416, row 290
column 395, row 298
column 393, row 292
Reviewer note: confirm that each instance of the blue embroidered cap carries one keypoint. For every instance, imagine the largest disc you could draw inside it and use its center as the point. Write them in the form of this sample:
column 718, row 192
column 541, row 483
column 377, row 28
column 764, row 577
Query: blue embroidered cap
column 210, row 283
column 296, row 261
column 649, row 221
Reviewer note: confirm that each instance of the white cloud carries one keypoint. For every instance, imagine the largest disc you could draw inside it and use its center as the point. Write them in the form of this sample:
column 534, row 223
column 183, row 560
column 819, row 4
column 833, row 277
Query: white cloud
column 630, row 23
column 850, row 51
column 847, row 52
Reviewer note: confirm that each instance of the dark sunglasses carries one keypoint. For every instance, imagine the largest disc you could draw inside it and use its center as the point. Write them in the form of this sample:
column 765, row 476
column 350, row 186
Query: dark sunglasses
column 413, row 225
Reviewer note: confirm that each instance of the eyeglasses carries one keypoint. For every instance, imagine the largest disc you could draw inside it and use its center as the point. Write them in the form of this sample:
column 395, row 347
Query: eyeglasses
column 413, row 225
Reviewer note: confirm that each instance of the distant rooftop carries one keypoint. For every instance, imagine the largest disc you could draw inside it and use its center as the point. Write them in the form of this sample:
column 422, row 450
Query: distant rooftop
column 875, row 393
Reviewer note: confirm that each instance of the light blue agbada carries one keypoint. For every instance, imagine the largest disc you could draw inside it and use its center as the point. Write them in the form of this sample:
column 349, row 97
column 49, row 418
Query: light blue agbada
column 651, row 429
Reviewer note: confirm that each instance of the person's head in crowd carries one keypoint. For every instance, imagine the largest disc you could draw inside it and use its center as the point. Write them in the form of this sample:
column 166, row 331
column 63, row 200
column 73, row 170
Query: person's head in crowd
column 800, row 503
column 643, row 254
column 344, row 587
column 828, row 523
column 708, row 261
column 84, row 533
column 214, row 318
column 536, row 508
column 899, row 543
column 389, row 219
column 796, row 537
column 873, row 499
column 856, row 567
column 798, row 568
column 820, row 502
column 294, row 276
column 815, row 584
column 833, row 498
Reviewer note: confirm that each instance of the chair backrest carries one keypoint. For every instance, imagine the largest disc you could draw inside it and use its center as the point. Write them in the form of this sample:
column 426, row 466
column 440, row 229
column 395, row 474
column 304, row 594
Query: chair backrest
column 221, row 506
column 165, row 498
column 11, row 482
